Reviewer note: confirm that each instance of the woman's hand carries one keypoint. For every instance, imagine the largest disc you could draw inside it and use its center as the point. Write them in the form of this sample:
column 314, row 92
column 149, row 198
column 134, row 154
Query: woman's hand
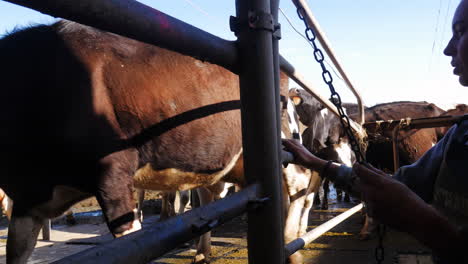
column 301, row 155
column 394, row 204
column 390, row 201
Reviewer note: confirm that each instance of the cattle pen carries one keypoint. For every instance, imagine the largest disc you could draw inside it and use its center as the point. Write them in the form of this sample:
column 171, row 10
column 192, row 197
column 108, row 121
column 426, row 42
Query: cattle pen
column 255, row 58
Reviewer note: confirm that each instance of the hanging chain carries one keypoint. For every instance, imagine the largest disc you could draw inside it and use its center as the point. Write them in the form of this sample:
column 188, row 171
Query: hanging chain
column 344, row 119
column 335, row 97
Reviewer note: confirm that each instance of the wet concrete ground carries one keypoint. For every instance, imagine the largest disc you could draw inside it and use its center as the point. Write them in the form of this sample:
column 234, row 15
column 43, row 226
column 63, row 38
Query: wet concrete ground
column 339, row 245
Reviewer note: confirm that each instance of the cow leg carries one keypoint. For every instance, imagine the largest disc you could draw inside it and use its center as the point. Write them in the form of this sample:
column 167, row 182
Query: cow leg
column 141, row 197
column 23, row 231
column 204, row 245
column 70, row 217
column 167, row 205
column 326, row 190
column 339, row 194
column 314, row 185
column 370, row 225
column 181, row 201
column 115, row 193
column 317, row 200
column 299, row 186
column 347, row 198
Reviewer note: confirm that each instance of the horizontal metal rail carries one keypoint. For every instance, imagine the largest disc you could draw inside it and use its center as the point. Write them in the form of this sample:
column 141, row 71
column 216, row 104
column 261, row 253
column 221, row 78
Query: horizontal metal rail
column 312, row 22
column 406, row 124
column 152, row 242
column 140, row 22
column 143, row 23
column 310, row 236
column 413, row 123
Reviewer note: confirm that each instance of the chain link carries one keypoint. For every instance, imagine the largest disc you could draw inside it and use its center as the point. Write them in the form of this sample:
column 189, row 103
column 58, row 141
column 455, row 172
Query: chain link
column 344, row 119
column 335, row 97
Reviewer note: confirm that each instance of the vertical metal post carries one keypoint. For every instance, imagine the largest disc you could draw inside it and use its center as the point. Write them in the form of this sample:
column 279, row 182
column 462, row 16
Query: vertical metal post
column 396, row 153
column 260, row 127
column 46, row 230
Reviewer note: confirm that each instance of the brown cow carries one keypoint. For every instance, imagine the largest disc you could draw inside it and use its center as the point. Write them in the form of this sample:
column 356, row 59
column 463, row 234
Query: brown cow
column 112, row 114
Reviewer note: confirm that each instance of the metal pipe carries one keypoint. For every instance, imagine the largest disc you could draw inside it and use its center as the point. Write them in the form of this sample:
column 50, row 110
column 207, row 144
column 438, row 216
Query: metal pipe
column 396, row 154
column 260, row 128
column 301, row 242
column 426, row 122
column 152, row 242
column 312, row 22
column 137, row 21
column 287, row 68
column 46, row 230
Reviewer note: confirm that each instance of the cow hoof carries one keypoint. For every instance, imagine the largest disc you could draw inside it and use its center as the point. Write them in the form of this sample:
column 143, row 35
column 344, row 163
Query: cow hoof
column 200, row 259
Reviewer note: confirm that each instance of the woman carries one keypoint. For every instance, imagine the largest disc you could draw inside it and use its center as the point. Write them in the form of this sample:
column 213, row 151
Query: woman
column 428, row 199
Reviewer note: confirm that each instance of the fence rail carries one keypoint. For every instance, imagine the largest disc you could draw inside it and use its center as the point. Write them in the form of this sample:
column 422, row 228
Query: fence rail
column 254, row 57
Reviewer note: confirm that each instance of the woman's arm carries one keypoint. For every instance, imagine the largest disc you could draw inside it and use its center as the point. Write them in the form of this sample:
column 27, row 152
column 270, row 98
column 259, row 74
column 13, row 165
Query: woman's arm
column 395, row 205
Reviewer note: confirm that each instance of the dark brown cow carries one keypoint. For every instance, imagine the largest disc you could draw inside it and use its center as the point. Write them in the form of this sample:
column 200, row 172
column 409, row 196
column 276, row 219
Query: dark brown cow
column 323, row 136
column 85, row 112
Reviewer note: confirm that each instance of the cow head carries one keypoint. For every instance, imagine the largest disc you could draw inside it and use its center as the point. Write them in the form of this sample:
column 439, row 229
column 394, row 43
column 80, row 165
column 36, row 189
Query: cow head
column 323, row 127
column 306, row 106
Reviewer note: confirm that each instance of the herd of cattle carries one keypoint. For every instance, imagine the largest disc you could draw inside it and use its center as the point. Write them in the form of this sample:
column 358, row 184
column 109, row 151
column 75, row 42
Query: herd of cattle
column 114, row 114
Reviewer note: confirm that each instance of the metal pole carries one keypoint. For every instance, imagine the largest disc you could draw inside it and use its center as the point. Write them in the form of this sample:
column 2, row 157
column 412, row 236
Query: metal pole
column 260, row 129
column 396, row 154
column 312, row 22
column 301, row 242
column 137, row 21
column 46, row 230
column 414, row 123
column 152, row 242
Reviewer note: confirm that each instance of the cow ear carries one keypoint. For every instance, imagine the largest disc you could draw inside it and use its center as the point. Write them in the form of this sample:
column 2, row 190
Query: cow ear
column 297, row 100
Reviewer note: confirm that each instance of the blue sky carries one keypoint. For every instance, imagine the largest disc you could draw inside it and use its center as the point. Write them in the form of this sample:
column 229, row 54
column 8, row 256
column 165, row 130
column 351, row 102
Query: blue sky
column 391, row 50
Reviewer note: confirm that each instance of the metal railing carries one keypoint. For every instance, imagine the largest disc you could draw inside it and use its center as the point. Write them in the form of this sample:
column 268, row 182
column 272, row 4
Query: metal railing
column 409, row 123
column 255, row 27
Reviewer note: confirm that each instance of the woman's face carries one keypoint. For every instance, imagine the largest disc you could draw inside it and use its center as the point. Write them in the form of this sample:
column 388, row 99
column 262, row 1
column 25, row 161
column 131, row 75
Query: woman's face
column 457, row 48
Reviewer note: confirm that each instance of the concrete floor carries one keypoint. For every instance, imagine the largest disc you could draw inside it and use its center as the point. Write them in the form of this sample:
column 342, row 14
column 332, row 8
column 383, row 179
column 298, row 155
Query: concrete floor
column 339, row 245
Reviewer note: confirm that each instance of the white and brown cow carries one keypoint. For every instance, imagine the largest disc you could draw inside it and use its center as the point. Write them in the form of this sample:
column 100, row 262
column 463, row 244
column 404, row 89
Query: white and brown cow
column 112, row 114
column 323, row 135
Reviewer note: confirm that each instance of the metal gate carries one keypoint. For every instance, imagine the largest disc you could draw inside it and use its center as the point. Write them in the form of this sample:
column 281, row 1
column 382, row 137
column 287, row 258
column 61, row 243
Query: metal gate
column 254, row 57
